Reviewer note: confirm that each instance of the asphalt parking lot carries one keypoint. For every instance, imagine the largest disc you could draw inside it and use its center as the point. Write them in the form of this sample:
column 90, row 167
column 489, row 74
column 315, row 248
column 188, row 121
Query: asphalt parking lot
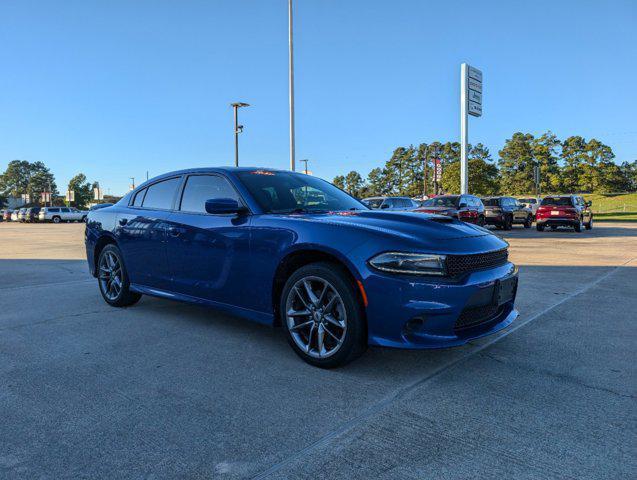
column 166, row 390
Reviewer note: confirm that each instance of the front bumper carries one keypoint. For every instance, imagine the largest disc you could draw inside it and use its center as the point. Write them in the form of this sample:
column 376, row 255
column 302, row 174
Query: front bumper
column 427, row 312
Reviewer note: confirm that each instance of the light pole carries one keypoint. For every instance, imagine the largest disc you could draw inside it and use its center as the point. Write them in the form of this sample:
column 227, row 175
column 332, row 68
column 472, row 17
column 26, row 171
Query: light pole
column 133, row 184
column 424, row 173
column 237, row 129
column 305, row 160
column 291, row 85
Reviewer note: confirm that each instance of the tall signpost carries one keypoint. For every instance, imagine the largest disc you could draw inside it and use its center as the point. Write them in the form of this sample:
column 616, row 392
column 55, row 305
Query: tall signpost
column 470, row 104
column 291, row 86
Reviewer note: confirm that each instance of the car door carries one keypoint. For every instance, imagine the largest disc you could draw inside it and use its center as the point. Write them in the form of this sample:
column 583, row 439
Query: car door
column 209, row 255
column 519, row 213
column 141, row 233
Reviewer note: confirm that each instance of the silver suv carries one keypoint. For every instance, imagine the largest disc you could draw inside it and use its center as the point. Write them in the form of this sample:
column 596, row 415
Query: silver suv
column 62, row 214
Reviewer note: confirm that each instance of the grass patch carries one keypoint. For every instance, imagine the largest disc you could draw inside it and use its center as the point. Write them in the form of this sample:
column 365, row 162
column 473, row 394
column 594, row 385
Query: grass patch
column 615, row 217
column 625, row 203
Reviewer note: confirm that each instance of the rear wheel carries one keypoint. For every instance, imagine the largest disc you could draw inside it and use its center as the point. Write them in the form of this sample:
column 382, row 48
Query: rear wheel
column 578, row 226
column 322, row 315
column 112, row 278
column 56, row 219
column 540, row 228
column 481, row 221
column 508, row 223
column 528, row 222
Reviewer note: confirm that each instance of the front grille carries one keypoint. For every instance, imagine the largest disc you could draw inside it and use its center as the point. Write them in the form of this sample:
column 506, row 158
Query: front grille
column 459, row 264
column 472, row 317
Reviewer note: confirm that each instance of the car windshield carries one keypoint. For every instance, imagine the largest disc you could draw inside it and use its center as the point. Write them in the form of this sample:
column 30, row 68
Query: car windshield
column 558, row 201
column 451, row 201
column 491, row 202
column 373, row 202
column 528, row 200
column 288, row 192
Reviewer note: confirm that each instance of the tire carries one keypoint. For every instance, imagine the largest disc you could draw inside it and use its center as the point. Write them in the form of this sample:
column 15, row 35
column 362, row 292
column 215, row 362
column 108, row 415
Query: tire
column 589, row 225
column 578, row 226
column 508, row 223
column 111, row 258
column 528, row 222
column 553, row 228
column 56, row 219
column 481, row 221
column 344, row 321
column 540, row 228
column 84, row 219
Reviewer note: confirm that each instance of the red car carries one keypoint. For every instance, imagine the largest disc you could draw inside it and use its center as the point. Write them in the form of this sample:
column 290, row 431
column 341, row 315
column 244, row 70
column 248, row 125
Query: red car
column 467, row 208
column 564, row 211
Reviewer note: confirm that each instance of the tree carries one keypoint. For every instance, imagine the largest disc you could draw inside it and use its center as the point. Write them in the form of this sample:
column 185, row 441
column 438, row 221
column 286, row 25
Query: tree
column 22, row 177
column 545, row 154
column 377, row 183
column 339, row 181
column 573, row 156
column 516, row 164
column 82, row 189
column 483, row 177
column 354, row 183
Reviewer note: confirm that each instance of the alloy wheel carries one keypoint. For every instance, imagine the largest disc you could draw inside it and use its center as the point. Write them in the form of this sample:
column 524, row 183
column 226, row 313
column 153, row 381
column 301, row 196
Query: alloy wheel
column 316, row 317
column 110, row 275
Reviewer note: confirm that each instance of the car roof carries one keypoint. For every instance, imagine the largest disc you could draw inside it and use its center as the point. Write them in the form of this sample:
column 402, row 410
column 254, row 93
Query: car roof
column 230, row 170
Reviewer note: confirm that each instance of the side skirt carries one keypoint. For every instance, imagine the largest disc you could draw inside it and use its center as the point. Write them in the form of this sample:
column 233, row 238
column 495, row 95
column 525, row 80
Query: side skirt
column 253, row 315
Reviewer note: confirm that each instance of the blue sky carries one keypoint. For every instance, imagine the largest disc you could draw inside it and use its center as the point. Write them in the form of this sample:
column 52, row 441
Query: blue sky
column 115, row 88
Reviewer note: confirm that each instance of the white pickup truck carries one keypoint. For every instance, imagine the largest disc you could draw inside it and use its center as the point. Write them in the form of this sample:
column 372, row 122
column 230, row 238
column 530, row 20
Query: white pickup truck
column 61, row 214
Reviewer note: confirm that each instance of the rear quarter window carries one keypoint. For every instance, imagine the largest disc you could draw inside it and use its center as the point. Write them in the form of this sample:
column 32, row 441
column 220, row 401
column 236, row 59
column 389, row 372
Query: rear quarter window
column 161, row 194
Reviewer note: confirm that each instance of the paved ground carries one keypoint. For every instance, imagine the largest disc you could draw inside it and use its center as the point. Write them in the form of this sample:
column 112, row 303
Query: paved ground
column 165, row 390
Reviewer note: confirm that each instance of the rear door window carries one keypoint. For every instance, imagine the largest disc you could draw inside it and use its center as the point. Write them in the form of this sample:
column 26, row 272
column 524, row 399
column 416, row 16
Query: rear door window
column 200, row 188
column 161, row 194
column 64, row 210
column 139, row 198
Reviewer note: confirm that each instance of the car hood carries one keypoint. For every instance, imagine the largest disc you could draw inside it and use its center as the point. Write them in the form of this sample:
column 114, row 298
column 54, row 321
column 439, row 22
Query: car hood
column 412, row 225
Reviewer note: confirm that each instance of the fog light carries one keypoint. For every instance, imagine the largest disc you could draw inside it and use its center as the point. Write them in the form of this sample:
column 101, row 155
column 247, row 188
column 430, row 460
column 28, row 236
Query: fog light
column 414, row 325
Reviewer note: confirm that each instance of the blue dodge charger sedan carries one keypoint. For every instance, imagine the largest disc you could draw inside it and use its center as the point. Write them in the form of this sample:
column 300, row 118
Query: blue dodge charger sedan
column 289, row 249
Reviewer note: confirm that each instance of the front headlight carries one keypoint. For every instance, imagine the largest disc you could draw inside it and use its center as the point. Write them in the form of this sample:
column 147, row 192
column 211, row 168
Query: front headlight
column 410, row 263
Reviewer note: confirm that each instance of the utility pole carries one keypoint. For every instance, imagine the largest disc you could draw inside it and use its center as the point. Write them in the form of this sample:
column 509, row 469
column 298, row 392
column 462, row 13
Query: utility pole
column 237, row 129
column 291, row 86
column 133, row 184
column 424, row 173
column 305, row 160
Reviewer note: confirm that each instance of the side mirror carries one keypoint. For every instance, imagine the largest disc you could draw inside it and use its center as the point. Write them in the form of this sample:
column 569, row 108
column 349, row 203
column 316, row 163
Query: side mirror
column 217, row 206
column 384, row 205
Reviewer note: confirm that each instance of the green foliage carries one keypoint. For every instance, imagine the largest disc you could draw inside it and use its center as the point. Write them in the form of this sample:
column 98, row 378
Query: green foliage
column 22, row 177
column 483, row 177
column 82, row 189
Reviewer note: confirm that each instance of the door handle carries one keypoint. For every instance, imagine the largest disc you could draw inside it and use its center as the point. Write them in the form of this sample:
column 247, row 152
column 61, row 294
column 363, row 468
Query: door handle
column 123, row 221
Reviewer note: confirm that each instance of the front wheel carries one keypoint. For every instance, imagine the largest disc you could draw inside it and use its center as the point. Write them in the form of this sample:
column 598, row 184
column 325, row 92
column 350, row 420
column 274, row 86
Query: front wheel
column 322, row 315
column 508, row 223
column 540, row 228
column 56, row 219
column 112, row 278
column 589, row 225
column 578, row 226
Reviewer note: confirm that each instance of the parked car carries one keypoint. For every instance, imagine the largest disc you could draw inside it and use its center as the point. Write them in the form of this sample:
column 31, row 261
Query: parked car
column 532, row 203
column 503, row 212
column 31, row 214
column 5, row 215
column 564, row 211
column 467, row 208
column 336, row 276
column 21, row 215
column 390, row 203
column 100, row 205
column 14, row 215
column 62, row 214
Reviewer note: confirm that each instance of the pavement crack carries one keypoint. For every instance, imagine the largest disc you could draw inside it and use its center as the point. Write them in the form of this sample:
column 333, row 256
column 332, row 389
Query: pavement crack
column 559, row 376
